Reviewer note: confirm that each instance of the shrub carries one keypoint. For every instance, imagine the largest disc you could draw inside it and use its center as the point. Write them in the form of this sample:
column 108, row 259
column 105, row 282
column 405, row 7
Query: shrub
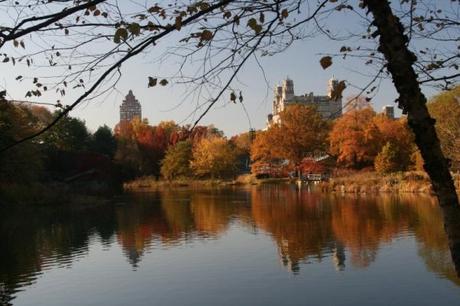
column 387, row 160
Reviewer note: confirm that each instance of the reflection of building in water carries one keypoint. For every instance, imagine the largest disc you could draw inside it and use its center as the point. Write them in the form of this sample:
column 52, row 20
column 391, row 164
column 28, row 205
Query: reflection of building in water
column 290, row 263
column 134, row 256
column 133, row 246
column 298, row 225
column 339, row 256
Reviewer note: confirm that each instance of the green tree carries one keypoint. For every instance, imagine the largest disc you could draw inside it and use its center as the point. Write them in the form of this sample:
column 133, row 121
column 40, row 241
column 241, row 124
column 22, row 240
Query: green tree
column 24, row 163
column 103, row 141
column 69, row 134
column 213, row 157
column 177, row 161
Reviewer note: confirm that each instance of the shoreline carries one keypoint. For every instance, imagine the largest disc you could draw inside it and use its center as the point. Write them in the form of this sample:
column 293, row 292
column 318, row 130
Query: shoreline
column 371, row 182
column 358, row 183
column 146, row 184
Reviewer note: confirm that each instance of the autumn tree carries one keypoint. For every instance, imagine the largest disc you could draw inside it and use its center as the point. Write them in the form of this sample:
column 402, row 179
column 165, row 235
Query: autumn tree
column 360, row 135
column 133, row 145
column 141, row 146
column 242, row 144
column 213, row 157
column 176, row 162
column 355, row 139
column 301, row 132
column 445, row 108
column 263, row 151
column 395, row 132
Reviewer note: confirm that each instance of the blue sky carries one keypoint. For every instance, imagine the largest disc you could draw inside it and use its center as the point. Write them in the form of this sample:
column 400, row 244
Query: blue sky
column 300, row 63
column 173, row 102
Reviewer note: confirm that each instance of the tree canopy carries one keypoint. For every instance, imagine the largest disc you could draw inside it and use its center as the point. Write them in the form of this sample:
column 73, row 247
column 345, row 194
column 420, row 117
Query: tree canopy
column 176, row 162
column 445, row 108
column 213, row 157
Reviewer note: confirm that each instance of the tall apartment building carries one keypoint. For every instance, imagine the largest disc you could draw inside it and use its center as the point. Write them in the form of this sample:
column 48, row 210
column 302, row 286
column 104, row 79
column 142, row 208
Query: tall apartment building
column 130, row 108
column 389, row 111
column 284, row 96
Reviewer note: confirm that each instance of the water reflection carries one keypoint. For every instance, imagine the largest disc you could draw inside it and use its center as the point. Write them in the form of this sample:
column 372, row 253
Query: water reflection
column 305, row 227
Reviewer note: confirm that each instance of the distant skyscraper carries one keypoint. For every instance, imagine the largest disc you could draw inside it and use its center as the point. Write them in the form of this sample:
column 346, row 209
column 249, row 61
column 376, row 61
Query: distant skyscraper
column 389, row 111
column 130, row 108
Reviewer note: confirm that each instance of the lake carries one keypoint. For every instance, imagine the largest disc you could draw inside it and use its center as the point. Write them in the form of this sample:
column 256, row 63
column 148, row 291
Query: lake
column 261, row 245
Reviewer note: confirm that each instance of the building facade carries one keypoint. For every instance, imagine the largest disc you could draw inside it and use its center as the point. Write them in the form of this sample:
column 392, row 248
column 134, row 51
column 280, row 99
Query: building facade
column 284, row 96
column 389, row 111
column 130, row 108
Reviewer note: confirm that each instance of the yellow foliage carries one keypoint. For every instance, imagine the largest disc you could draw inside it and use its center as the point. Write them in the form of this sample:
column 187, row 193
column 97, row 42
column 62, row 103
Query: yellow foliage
column 213, row 157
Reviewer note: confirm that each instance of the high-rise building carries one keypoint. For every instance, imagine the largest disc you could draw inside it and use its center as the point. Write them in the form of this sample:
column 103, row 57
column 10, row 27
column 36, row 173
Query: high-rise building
column 130, row 108
column 326, row 105
column 389, row 111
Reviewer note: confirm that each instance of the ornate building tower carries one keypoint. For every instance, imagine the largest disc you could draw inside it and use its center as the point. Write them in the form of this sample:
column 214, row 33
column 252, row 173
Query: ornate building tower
column 277, row 101
column 331, row 86
column 288, row 89
column 130, row 108
column 326, row 105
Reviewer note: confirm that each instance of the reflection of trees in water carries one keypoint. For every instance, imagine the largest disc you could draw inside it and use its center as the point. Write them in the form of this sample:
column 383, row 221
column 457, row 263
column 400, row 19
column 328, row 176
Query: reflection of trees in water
column 138, row 223
column 34, row 240
column 432, row 241
column 308, row 226
column 362, row 225
column 297, row 222
column 304, row 226
column 212, row 215
column 173, row 217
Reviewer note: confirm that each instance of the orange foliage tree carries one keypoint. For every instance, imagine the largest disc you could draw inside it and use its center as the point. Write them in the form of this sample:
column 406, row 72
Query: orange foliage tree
column 398, row 145
column 263, row 150
column 300, row 132
column 213, row 157
column 141, row 146
column 359, row 136
column 355, row 139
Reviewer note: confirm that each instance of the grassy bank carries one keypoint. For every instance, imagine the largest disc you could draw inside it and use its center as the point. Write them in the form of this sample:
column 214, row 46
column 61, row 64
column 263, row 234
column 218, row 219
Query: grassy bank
column 360, row 182
column 371, row 182
column 150, row 183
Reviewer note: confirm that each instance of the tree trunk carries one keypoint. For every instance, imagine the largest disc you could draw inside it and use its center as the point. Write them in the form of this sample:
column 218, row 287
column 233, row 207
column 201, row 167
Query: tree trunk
column 393, row 44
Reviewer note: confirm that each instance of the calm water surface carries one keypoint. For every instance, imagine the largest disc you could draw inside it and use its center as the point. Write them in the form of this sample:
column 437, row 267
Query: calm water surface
column 268, row 245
